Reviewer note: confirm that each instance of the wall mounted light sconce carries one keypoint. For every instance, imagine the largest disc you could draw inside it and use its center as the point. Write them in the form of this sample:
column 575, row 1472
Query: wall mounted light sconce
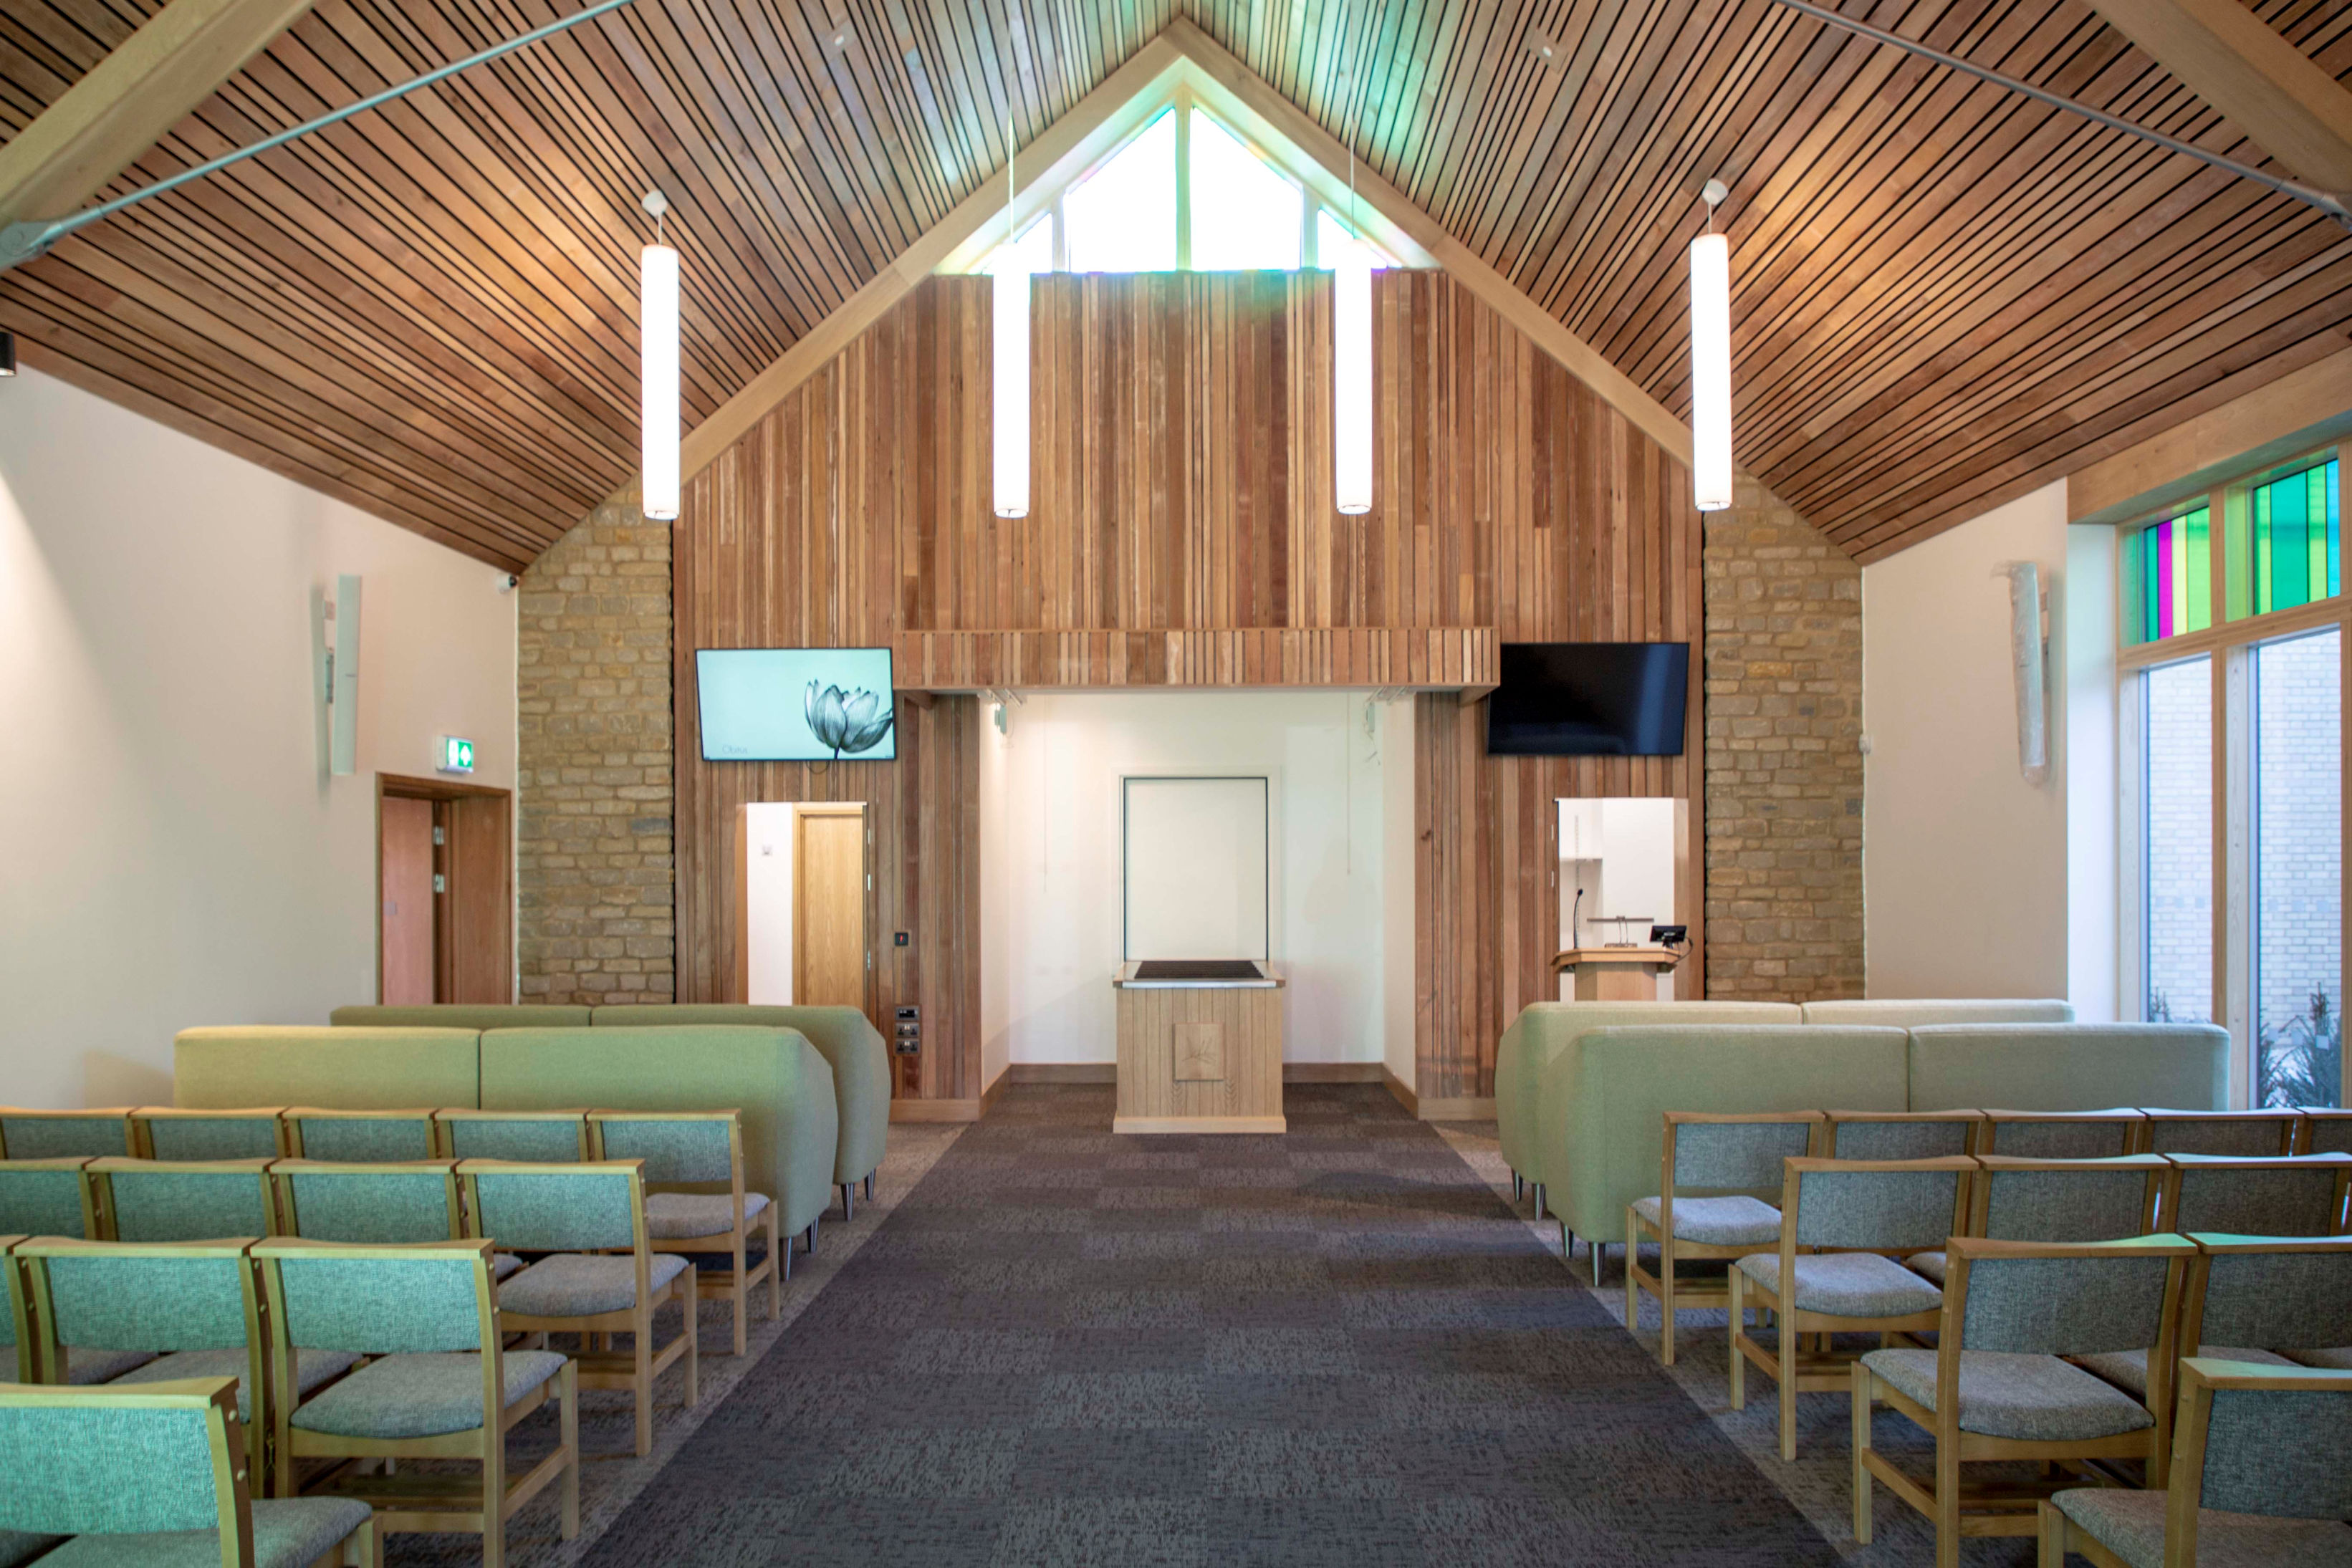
column 1710, row 332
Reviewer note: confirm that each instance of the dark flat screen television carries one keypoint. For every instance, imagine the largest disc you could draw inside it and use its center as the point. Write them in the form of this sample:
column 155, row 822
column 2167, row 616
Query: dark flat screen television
column 795, row 705
column 1590, row 699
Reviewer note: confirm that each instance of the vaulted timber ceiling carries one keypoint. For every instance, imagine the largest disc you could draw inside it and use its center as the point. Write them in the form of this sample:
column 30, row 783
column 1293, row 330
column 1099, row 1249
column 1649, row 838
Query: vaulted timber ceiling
column 1945, row 294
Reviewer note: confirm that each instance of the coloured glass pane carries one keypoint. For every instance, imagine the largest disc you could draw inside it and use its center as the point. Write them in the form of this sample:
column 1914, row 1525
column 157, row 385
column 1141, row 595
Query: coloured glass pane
column 1122, row 217
column 2294, row 537
column 1244, row 215
column 2168, row 578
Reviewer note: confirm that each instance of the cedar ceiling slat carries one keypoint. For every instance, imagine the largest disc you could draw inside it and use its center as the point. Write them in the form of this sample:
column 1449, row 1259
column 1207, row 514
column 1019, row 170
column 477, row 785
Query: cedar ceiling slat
column 1942, row 294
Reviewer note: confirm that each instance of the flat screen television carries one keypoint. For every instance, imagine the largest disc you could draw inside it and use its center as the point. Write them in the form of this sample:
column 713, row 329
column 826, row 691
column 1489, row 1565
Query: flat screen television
column 795, row 705
column 1590, row 699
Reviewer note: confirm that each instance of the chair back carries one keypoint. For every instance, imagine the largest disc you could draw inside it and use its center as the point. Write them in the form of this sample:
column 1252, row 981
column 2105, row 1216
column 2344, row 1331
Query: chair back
column 368, row 1204
column 2262, row 1440
column 362, row 1137
column 2323, row 1131
column 165, row 1133
column 2089, row 1298
column 126, row 1459
column 2300, row 1194
column 528, row 1138
column 586, row 1208
column 171, row 1200
column 676, row 1148
column 2065, row 1200
column 45, row 1197
column 26, row 1134
column 1900, row 1135
column 15, row 1334
column 379, row 1301
column 2264, row 1292
column 2060, row 1134
column 1708, row 1151
column 2242, row 1135
column 154, row 1297
column 1874, row 1205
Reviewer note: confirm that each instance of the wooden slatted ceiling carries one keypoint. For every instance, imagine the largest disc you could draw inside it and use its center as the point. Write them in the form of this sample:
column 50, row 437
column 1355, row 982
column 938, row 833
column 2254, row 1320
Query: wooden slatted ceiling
column 1945, row 295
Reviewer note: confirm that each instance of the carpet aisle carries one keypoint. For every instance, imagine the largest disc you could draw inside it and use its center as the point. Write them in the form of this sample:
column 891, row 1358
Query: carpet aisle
column 1336, row 1348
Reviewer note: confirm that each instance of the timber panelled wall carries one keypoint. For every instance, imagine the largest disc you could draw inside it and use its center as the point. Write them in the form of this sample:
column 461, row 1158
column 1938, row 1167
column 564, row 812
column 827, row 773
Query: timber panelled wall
column 1180, row 533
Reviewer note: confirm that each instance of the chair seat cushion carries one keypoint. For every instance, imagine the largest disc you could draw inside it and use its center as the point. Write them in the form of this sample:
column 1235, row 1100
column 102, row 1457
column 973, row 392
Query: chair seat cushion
column 17, row 1546
column 1716, row 1221
column 683, row 1216
column 580, row 1285
column 289, row 1532
column 1846, row 1284
column 2128, row 1369
column 85, row 1366
column 311, row 1367
column 503, row 1264
column 1927, row 1265
column 2130, row 1524
column 2033, row 1398
column 2339, row 1358
column 420, row 1396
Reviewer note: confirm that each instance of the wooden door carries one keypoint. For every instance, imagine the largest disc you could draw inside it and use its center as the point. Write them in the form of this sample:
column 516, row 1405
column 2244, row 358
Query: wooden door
column 829, row 909
column 405, row 933
column 478, row 933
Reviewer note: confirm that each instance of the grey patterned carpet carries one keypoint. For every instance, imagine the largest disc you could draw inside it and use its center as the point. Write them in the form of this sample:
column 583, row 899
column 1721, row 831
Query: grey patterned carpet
column 1335, row 1347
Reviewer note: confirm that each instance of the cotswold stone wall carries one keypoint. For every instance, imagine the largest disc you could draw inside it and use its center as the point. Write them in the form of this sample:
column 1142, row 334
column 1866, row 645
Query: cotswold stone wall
column 1783, row 758
column 592, row 703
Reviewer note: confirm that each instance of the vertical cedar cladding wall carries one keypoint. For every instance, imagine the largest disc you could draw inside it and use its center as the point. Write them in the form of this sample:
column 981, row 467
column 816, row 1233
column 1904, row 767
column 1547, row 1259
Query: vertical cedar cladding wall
column 1182, row 488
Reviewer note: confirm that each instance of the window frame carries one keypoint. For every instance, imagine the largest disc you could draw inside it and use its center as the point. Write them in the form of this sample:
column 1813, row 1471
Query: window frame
column 2230, row 644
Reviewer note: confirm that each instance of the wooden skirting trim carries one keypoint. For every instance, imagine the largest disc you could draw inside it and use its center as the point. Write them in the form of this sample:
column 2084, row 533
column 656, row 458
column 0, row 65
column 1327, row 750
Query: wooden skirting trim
column 1332, row 1071
column 935, row 1109
column 1061, row 1073
column 1126, row 1125
column 994, row 1092
column 1401, row 1090
column 1456, row 1110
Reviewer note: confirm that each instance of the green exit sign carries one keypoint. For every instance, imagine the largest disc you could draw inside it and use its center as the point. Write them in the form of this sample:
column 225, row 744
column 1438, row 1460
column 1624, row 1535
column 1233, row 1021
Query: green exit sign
column 457, row 755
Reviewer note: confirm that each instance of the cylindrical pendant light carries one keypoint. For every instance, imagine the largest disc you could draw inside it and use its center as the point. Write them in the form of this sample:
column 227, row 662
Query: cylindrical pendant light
column 657, row 336
column 1710, row 332
column 1351, row 381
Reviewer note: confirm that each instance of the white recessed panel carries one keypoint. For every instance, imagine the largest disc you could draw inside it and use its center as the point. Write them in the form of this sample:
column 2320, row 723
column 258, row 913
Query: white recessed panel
column 1195, row 858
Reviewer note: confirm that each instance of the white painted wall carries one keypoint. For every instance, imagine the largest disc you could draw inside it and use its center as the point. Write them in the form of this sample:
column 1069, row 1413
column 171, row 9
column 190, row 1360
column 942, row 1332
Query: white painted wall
column 1969, row 873
column 1050, row 864
column 176, row 854
column 771, row 839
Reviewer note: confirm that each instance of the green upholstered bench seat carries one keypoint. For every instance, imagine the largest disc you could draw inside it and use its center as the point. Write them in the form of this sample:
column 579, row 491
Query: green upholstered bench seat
column 475, row 1016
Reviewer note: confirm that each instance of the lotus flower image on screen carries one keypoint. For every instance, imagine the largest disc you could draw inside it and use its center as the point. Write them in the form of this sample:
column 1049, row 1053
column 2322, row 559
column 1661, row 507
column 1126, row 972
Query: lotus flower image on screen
column 795, row 705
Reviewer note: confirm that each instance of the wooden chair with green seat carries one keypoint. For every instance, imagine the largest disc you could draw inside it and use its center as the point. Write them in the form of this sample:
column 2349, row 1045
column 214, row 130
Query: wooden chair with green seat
column 2060, row 1134
column 193, row 1305
column 1729, row 1157
column 29, row 1134
column 168, row 1132
column 1843, row 1222
column 687, row 1156
column 363, row 1137
column 528, row 1138
column 156, row 1473
column 1998, row 1386
column 441, row 1386
column 180, row 1200
column 602, row 1275
column 2257, row 1476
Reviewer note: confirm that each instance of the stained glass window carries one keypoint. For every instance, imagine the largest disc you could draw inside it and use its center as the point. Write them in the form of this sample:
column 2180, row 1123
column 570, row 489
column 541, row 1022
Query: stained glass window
column 2169, row 577
column 2290, row 550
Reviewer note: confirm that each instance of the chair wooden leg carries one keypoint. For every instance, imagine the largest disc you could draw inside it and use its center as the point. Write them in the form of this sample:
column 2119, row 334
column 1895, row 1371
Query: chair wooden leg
column 1948, row 1501
column 693, row 1340
column 494, row 1493
column 1665, row 1296
column 2050, row 1551
column 568, row 1391
column 739, row 1295
column 642, row 1386
column 1632, row 1291
column 775, row 1274
column 1738, row 1361
column 1865, row 1396
column 1786, row 1370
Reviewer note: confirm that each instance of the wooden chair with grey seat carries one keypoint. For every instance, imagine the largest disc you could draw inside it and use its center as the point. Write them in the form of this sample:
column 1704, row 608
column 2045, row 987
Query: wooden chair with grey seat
column 52, row 1193
column 1729, row 1158
column 16, row 1346
column 2057, row 1200
column 157, row 1473
column 602, row 1275
column 2242, row 1135
column 2060, row 1134
column 1899, row 1134
column 2257, row 1477
column 170, row 1132
column 696, row 1205
column 180, row 1200
column 392, row 1204
column 2297, row 1194
column 29, row 1134
column 526, row 1137
column 1835, row 1272
column 2282, row 1299
column 440, row 1386
column 2323, row 1130
column 1997, row 1387
column 363, row 1137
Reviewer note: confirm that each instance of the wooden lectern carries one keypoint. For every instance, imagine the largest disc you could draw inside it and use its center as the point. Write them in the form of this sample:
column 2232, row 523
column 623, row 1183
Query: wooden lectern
column 1618, row 974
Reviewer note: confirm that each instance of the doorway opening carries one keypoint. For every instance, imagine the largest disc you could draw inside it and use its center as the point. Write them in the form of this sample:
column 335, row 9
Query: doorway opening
column 445, row 892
